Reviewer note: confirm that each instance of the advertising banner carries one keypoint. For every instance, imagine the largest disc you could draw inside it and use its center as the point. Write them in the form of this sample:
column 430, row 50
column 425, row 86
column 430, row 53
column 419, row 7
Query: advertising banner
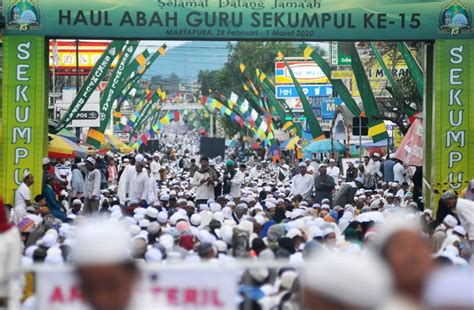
column 453, row 116
column 24, row 125
column 95, row 77
column 62, row 55
column 289, row 91
column 178, row 287
column 304, row 71
column 296, row 20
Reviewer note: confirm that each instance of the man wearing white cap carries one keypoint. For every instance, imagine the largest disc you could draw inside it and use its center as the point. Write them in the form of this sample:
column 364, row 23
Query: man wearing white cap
column 333, row 170
column 155, row 166
column 302, row 183
column 22, row 198
column 106, row 272
column 138, row 183
column 91, row 186
column 465, row 212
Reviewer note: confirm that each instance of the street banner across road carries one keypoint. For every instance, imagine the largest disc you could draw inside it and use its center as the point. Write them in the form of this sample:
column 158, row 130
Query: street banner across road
column 295, row 20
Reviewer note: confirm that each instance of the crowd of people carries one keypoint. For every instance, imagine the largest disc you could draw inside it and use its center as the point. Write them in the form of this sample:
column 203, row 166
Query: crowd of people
column 355, row 238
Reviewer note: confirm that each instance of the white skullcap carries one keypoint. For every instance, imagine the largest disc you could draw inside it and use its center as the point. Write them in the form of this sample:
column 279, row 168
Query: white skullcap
column 450, row 220
column 139, row 158
column 144, row 223
column 297, row 213
column 54, row 256
column 450, row 288
column 227, row 234
column 46, row 161
column 195, row 219
column 372, row 275
column 293, row 232
column 259, row 219
column 327, row 231
column 49, row 240
column 246, row 225
column 259, row 274
column 99, row 242
column 167, row 242
column 460, row 230
column 287, row 279
column 152, row 212
column 153, row 255
column 315, row 232
column 206, row 237
column 30, row 251
column 138, row 217
column 91, row 160
column 220, row 245
column 214, row 207
column 134, row 230
column 302, row 164
column 162, row 217
column 139, row 210
column 219, row 216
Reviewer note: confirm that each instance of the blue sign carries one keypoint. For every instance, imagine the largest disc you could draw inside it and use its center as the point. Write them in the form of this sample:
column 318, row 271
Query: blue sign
column 329, row 106
column 289, row 91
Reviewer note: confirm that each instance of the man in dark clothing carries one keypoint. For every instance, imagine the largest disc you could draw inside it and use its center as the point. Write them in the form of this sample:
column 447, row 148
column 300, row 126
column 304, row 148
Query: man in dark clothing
column 324, row 185
column 351, row 172
column 388, row 175
column 346, row 193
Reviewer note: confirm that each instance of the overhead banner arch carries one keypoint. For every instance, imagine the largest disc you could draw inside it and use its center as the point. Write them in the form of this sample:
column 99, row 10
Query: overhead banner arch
column 28, row 23
column 242, row 19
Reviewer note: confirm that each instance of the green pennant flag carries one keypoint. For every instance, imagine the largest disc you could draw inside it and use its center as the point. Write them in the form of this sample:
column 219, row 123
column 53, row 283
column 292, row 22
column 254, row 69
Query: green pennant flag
column 377, row 129
column 144, row 115
column 397, row 92
column 95, row 77
column 338, row 85
column 313, row 123
column 413, row 67
column 139, row 61
column 95, row 136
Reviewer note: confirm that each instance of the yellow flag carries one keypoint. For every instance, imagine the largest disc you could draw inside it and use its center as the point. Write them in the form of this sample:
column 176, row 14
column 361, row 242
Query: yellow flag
column 280, row 56
column 242, row 67
column 307, row 52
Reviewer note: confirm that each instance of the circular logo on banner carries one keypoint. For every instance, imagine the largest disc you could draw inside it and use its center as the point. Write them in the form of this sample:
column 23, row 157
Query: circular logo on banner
column 23, row 15
column 455, row 18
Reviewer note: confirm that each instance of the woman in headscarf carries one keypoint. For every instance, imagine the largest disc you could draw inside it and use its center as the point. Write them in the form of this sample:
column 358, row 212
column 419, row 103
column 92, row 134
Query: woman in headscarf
column 10, row 258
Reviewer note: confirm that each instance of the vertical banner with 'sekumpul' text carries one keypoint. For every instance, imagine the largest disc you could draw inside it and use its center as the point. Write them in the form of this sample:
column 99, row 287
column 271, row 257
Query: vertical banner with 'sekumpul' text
column 23, row 113
column 454, row 116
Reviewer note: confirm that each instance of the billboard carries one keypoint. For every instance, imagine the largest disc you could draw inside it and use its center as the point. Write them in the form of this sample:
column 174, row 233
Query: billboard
column 305, row 72
column 377, row 79
column 289, row 91
column 62, row 55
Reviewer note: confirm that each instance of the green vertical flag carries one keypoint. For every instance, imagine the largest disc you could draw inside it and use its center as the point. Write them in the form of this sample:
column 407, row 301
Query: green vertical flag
column 138, row 68
column 313, row 123
column 95, row 136
column 413, row 67
column 95, row 77
column 377, row 129
column 397, row 91
column 338, row 85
